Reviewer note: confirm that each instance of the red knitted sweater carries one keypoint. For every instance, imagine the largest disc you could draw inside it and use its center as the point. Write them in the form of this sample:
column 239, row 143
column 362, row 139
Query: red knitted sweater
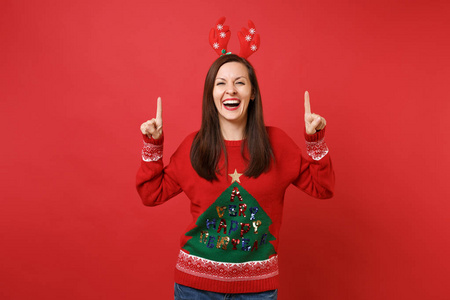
column 231, row 246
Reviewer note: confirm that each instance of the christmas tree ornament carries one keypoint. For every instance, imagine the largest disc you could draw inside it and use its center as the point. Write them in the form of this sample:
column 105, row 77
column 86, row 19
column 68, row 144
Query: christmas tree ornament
column 235, row 176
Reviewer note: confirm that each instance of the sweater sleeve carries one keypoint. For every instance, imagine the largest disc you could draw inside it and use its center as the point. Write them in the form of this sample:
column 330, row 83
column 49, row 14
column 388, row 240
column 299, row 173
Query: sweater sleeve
column 316, row 175
column 155, row 183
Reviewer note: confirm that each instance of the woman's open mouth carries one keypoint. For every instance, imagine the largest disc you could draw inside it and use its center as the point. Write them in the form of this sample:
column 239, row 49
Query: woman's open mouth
column 231, row 104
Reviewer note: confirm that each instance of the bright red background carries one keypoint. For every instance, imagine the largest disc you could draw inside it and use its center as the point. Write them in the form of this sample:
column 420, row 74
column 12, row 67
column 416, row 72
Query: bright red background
column 78, row 78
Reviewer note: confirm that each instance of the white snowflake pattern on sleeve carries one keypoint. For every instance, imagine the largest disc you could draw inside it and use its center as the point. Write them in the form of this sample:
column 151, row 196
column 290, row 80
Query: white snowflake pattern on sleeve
column 316, row 150
column 151, row 152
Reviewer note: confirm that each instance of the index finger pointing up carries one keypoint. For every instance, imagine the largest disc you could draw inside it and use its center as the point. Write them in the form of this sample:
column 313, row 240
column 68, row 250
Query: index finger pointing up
column 159, row 109
column 307, row 104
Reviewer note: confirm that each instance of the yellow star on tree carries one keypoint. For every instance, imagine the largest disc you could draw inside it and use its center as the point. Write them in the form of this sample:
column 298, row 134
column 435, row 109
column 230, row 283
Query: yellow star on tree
column 235, row 176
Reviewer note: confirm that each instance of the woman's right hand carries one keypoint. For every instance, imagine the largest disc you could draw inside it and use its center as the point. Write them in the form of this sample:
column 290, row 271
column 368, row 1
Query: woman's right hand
column 153, row 128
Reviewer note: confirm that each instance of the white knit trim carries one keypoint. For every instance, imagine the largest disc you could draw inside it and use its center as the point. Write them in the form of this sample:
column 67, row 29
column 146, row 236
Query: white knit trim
column 223, row 271
column 316, row 150
column 151, row 152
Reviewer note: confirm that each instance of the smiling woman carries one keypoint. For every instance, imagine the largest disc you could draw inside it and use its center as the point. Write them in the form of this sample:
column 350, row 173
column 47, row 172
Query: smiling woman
column 232, row 94
column 231, row 80
column 235, row 172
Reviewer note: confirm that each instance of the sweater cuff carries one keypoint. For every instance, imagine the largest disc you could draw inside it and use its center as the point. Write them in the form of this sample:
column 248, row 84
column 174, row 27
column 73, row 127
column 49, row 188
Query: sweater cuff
column 152, row 149
column 153, row 141
column 319, row 135
column 316, row 147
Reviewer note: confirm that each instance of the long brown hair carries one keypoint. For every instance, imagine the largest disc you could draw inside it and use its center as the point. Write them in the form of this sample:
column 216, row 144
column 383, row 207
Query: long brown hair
column 208, row 144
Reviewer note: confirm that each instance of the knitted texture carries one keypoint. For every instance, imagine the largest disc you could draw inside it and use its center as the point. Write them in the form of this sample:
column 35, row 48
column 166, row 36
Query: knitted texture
column 231, row 244
column 153, row 149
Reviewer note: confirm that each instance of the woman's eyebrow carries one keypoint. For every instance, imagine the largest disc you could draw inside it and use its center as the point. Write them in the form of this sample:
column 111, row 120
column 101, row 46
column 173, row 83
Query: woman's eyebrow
column 237, row 78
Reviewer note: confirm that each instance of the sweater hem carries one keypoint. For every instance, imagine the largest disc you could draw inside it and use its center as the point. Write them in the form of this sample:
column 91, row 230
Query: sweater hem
column 231, row 287
column 224, row 277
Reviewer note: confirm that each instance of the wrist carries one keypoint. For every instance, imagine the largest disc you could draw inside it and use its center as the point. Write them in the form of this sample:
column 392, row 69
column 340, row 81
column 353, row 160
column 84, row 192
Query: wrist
column 315, row 137
column 154, row 141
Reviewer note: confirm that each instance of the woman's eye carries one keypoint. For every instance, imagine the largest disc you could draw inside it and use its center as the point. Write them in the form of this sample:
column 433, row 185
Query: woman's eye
column 219, row 83
column 240, row 82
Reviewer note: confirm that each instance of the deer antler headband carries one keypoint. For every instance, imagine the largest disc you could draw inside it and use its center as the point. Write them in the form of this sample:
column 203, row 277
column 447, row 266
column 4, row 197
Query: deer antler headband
column 248, row 38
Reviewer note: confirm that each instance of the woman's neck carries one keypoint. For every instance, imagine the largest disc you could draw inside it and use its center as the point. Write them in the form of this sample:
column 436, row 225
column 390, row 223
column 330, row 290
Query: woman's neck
column 232, row 131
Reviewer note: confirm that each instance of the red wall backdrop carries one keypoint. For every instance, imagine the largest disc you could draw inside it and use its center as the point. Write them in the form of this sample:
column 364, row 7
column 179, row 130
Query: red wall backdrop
column 78, row 78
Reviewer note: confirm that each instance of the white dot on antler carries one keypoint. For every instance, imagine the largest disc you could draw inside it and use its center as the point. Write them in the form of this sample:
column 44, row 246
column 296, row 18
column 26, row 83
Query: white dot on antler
column 223, row 34
column 252, row 30
column 219, row 26
column 248, row 38
column 253, row 47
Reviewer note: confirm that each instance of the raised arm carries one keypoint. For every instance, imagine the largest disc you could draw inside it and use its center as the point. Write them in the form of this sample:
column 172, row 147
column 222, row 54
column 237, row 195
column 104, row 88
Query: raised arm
column 155, row 184
column 316, row 176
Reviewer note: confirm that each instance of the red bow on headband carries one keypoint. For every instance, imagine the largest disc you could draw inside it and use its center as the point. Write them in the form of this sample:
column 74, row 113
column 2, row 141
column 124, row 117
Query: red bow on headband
column 219, row 37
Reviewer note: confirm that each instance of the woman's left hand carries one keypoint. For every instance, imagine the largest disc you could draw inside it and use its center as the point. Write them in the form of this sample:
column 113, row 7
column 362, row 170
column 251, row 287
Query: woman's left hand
column 313, row 122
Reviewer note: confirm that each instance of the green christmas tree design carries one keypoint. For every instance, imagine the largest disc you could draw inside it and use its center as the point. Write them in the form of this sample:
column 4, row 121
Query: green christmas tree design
column 233, row 229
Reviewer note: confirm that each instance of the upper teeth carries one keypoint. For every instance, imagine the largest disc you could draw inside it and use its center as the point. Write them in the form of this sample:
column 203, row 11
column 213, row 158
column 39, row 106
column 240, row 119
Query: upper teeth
column 231, row 102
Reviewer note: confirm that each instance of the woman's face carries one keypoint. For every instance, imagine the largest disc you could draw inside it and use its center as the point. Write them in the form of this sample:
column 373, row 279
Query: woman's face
column 232, row 93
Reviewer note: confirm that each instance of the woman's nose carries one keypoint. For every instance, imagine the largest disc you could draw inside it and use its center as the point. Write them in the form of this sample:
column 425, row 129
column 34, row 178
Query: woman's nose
column 231, row 90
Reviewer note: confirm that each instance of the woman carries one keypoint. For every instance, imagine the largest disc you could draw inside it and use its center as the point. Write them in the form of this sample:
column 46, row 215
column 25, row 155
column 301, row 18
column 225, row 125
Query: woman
column 235, row 172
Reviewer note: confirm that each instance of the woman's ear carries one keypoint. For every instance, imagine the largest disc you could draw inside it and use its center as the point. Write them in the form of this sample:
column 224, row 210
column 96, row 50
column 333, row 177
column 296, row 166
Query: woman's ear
column 253, row 95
